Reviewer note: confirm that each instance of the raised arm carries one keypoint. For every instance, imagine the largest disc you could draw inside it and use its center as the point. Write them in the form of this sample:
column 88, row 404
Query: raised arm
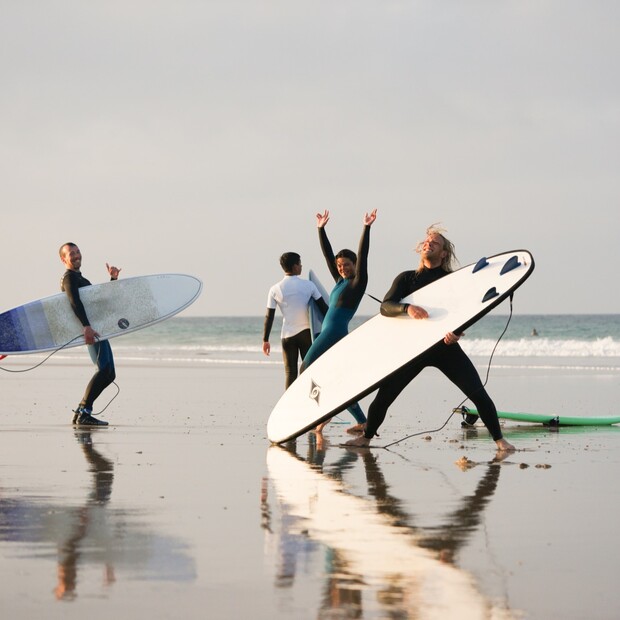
column 326, row 248
column 113, row 271
column 361, row 267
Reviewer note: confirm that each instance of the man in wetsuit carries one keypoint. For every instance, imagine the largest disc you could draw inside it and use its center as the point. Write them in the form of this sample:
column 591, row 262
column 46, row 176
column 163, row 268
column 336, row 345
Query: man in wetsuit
column 437, row 256
column 292, row 295
column 350, row 272
column 99, row 350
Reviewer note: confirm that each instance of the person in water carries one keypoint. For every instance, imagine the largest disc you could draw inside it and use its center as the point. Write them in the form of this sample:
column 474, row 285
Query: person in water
column 350, row 272
column 292, row 295
column 436, row 261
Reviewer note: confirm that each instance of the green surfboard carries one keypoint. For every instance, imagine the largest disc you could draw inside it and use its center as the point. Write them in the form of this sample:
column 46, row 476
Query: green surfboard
column 550, row 420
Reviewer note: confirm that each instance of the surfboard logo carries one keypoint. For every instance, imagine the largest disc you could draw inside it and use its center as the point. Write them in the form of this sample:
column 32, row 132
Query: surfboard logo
column 315, row 392
column 123, row 323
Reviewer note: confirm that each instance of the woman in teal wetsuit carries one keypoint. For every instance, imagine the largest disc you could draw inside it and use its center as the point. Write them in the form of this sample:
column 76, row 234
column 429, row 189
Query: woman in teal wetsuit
column 350, row 273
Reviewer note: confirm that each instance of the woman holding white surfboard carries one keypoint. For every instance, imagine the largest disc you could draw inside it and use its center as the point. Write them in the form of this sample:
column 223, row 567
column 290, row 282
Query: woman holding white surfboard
column 350, row 272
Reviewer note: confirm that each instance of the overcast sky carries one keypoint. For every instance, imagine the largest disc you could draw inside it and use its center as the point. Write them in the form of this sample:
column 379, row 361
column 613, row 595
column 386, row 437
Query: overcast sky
column 203, row 136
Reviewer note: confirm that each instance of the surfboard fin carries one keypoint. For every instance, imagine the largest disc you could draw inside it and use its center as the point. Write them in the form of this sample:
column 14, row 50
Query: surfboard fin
column 509, row 265
column 492, row 292
column 483, row 262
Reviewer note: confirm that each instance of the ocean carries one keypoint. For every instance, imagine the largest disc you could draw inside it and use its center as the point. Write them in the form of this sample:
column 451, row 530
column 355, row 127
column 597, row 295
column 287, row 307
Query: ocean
column 580, row 341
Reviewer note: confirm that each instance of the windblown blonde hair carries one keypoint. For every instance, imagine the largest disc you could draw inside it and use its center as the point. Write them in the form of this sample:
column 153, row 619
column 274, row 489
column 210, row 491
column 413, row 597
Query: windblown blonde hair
column 449, row 262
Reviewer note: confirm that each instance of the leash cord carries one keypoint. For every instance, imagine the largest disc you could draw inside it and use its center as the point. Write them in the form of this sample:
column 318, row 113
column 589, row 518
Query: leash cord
column 64, row 346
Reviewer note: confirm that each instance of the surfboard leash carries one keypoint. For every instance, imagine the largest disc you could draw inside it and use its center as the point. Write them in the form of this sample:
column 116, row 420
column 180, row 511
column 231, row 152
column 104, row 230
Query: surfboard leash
column 64, row 346
column 457, row 408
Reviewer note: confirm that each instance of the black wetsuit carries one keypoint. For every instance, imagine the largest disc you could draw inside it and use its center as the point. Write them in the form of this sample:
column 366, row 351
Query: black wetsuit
column 101, row 351
column 451, row 360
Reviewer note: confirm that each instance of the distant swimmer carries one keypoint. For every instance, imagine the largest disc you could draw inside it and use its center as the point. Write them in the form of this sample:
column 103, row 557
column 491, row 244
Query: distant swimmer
column 534, row 332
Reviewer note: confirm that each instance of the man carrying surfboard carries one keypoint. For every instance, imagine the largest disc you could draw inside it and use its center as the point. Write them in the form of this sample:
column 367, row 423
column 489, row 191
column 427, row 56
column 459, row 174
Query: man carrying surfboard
column 436, row 261
column 292, row 295
column 100, row 350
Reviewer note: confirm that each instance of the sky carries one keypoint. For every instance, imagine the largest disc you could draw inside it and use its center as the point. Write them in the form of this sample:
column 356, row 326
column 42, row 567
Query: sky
column 202, row 137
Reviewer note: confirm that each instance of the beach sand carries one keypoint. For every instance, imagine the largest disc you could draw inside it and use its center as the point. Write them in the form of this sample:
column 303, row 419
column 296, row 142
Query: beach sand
column 182, row 509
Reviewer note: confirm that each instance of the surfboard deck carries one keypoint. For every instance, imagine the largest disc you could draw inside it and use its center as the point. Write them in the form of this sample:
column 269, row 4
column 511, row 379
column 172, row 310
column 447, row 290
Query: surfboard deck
column 316, row 316
column 114, row 308
column 554, row 420
column 357, row 364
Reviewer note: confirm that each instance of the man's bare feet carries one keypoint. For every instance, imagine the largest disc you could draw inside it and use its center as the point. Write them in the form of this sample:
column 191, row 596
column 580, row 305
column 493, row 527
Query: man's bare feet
column 504, row 446
column 358, row 442
column 358, row 429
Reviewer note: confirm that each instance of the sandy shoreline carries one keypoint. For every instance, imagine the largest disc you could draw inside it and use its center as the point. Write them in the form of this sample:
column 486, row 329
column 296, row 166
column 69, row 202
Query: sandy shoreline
column 181, row 506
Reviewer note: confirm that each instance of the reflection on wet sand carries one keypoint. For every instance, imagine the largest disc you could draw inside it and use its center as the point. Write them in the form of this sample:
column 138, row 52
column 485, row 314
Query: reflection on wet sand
column 92, row 533
column 379, row 564
column 69, row 549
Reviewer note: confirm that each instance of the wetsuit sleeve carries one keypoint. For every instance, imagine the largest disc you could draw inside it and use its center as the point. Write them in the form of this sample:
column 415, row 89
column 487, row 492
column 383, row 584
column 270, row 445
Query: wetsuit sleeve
column 71, row 288
column 328, row 253
column 361, row 271
column 392, row 305
column 271, row 312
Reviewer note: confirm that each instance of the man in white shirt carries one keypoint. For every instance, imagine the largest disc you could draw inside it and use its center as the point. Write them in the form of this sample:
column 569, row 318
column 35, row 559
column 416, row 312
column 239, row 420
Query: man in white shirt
column 293, row 296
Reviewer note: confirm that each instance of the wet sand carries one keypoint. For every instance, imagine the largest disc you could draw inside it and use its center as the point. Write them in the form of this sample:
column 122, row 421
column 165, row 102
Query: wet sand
column 182, row 509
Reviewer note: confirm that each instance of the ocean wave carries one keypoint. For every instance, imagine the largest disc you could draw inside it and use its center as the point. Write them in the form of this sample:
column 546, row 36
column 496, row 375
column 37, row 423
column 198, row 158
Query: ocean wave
column 528, row 352
column 543, row 347
column 523, row 347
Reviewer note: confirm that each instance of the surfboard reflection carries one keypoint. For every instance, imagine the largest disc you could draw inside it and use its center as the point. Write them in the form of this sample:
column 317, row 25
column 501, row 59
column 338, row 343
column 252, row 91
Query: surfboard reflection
column 91, row 533
column 377, row 560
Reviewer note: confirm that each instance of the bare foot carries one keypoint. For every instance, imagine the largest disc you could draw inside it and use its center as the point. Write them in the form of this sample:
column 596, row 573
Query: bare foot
column 358, row 429
column 358, row 442
column 504, row 446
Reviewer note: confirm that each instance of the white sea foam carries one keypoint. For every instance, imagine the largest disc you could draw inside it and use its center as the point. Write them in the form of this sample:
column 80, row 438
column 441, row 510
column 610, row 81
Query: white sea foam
column 543, row 347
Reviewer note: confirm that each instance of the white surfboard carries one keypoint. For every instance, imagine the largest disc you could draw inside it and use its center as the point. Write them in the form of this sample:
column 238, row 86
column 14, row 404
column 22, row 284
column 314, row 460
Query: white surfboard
column 355, row 366
column 316, row 316
column 113, row 309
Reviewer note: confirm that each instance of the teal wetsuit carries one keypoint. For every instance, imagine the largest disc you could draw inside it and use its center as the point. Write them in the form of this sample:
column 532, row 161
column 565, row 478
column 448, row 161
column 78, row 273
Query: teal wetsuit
column 344, row 301
column 335, row 324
